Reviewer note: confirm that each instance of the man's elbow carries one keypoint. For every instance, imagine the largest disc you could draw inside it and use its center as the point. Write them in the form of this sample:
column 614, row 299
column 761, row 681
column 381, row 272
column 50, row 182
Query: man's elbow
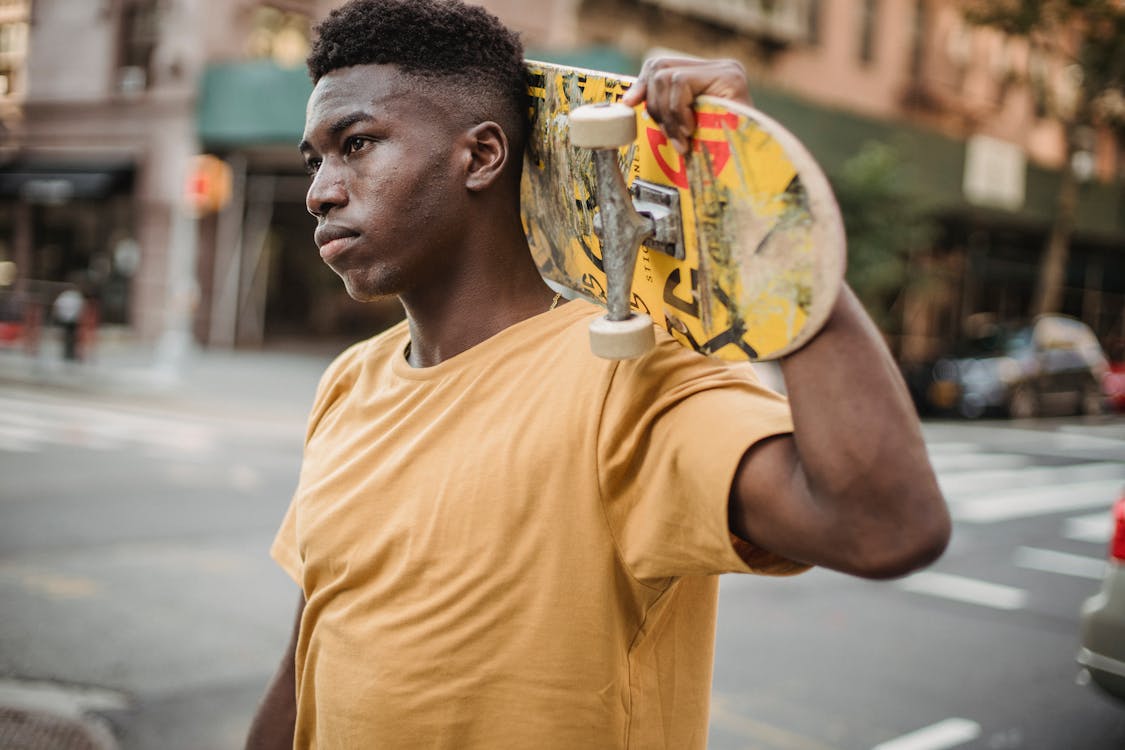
column 913, row 543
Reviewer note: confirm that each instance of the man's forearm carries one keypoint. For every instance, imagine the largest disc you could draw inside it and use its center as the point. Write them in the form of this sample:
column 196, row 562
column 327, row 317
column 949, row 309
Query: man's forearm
column 273, row 725
column 860, row 445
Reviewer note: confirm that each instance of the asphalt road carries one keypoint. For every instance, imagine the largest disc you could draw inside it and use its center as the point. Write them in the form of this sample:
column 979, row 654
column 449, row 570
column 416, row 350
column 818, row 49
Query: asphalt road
column 133, row 557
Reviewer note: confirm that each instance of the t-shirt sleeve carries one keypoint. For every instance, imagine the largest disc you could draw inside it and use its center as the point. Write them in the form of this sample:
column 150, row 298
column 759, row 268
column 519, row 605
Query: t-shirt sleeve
column 284, row 548
column 673, row 432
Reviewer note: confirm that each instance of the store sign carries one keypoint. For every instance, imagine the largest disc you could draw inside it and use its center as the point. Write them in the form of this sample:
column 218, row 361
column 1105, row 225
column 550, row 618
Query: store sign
column 50, row 191
column 995, row 173
column 786, row 20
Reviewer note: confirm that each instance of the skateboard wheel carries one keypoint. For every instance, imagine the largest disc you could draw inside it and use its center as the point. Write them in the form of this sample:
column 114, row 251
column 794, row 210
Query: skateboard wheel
column 603, row 126
column 622, row 339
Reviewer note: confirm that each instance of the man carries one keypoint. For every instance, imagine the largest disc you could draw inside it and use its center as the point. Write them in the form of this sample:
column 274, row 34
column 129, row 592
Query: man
column 502, row 541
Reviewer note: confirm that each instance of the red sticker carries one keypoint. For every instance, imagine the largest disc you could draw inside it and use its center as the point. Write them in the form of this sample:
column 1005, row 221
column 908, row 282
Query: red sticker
column 718, row 149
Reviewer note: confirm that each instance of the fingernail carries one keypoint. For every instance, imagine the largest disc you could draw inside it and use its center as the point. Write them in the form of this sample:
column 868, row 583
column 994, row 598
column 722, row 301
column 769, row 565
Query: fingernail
column 680, row 146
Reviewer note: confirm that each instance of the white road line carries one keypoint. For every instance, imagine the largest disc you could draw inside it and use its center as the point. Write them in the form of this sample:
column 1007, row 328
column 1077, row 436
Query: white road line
column 1023, row 502
column 944, row 734
column 942, row 449
column 956, row 462
column 103, row 428
column 1039, row 440
column 967, row 590
column 16, row 445
column 966, row 485
column 19, row 433
column 1063, row 563
column 1096, row 528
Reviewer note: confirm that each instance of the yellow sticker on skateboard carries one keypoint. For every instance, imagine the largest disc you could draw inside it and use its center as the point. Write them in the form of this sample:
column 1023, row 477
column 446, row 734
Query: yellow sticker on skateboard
column 748, row 256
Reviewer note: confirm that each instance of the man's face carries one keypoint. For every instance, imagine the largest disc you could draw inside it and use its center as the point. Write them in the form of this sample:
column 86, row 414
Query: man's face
column 387, row 181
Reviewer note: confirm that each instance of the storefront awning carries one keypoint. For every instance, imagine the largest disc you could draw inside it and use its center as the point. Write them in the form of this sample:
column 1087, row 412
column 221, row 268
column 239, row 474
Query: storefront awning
column 252, row 104
column 46, row 182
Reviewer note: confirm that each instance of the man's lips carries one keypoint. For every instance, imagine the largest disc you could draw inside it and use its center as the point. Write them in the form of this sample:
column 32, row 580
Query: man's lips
column 332, row 239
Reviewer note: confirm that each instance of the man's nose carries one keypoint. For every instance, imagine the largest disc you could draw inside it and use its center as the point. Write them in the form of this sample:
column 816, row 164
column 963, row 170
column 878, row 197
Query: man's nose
column 327, row 190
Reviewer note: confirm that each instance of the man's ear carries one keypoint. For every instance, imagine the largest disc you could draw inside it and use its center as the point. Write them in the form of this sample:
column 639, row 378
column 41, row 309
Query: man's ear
column 488, row 154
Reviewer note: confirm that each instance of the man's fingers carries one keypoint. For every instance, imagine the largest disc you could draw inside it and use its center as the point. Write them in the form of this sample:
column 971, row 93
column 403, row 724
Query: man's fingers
column 669, row 86
column 679, row 118
column 636, row 93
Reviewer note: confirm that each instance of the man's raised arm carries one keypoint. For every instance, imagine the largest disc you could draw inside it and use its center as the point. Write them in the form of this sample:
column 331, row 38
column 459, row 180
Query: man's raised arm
column 852, row 488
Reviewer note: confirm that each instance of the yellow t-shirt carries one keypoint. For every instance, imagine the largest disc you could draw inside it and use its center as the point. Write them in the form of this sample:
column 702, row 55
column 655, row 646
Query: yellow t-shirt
column 516, row 548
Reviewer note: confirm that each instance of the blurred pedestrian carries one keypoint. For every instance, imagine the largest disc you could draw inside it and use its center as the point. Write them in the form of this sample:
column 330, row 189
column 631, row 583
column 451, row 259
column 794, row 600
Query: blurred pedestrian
column 67, row 312
column 502, row 541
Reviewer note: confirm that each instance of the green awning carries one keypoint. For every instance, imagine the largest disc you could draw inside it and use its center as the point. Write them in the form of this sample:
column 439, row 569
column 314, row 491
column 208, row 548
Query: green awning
column 597, row 57
column 252, row 103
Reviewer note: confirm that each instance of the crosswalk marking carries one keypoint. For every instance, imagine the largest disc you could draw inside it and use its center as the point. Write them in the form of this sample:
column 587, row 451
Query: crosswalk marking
column 1096, row 528
column 1023, row 502
column 945, row 734
column 983, row 487
column 957, row 462
column 29, row 424
column 967, row 590
column 946, row 447
column 1064, row 563
column 973, row 484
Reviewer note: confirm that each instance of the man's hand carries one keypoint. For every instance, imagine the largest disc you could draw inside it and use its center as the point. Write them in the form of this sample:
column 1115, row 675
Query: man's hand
column 668, row 86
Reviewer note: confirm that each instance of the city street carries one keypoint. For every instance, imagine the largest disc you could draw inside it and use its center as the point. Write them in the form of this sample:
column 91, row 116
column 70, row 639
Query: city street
column 133, row 559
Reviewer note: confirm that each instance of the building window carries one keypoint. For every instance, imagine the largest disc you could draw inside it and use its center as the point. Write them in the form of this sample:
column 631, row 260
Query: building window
column 868, row 11
column 812, row 31
column 279, row 35
column 13, row 45
column 13, row 56
column 139, row 33
column 920, row 33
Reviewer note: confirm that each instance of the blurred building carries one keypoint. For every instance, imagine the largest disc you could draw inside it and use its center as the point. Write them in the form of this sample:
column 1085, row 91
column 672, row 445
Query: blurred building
column 105, row 106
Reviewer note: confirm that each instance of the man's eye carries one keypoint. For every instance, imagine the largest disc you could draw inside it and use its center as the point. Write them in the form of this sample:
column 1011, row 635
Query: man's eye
column 355, row 143
column 311, row 166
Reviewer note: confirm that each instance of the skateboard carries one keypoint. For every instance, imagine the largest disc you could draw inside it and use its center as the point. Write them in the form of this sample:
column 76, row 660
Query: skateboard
column 741, row 245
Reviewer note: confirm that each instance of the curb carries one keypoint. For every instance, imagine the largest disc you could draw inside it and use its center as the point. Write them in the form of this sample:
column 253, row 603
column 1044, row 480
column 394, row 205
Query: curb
column 37, row 715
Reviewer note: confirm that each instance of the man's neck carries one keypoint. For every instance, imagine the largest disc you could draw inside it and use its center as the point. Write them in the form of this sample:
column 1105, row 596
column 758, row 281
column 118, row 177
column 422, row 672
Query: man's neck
column 473, row 307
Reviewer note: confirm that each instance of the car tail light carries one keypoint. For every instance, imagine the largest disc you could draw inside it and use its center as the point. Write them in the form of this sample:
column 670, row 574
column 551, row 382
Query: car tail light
column 1117, row 546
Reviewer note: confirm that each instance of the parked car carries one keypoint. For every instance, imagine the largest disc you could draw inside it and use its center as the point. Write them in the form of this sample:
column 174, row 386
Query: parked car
column 1054, row 365
column 1103, row 618
column 1113, row 382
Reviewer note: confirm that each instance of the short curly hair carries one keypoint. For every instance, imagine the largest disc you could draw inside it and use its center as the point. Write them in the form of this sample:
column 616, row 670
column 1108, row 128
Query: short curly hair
column 432, row 39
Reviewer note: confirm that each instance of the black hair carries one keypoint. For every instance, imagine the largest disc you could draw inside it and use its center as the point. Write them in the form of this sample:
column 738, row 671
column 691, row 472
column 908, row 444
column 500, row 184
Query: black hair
column 433, row 39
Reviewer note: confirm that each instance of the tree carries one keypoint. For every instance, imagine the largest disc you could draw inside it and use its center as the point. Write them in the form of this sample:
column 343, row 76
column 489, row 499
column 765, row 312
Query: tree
column 885, row 225
column 1086, row 41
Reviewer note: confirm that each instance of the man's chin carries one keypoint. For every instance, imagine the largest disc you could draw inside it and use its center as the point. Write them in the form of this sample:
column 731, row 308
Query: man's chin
column 368, row 290
column 367, row 297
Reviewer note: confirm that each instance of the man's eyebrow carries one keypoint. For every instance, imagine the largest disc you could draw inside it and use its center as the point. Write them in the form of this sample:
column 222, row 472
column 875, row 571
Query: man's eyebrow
column 340, row 125
column 345, row 122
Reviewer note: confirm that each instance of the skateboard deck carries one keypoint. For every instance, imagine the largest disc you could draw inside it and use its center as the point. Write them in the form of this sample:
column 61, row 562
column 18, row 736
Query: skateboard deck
column 757, row 262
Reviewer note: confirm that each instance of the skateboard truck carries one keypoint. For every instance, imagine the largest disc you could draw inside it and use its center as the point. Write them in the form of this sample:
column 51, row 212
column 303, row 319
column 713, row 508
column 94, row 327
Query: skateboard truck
column 605, row 128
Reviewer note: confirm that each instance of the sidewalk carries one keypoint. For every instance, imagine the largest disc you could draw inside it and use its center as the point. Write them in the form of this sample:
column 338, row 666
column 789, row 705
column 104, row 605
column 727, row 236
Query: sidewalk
column 48, row 716
column 278, row 382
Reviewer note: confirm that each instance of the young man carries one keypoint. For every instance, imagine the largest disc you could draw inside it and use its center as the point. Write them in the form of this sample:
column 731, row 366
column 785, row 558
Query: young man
column 502, row 541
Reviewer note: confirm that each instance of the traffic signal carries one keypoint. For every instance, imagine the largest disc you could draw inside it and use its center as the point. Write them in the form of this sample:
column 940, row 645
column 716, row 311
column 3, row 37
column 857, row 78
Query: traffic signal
column 208, row 184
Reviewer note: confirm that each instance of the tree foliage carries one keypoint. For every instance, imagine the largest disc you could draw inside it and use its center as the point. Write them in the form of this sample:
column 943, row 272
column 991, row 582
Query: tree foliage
column 1089, row 34
column 885, row 224
column 1086, row 38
